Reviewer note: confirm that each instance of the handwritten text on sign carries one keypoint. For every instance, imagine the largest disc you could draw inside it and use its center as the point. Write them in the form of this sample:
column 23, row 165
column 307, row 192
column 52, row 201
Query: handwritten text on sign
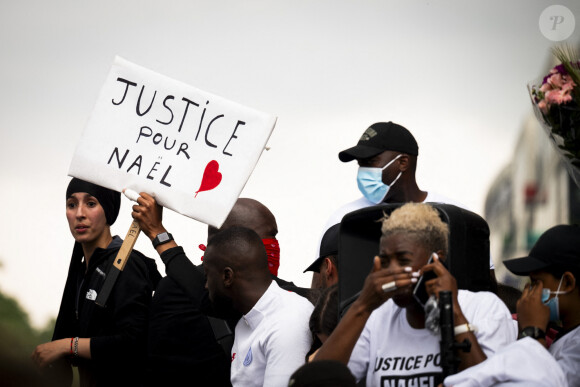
column 191, row 149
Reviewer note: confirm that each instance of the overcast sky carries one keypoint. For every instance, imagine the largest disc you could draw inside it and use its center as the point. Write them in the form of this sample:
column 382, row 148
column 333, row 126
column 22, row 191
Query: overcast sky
column 453, row 72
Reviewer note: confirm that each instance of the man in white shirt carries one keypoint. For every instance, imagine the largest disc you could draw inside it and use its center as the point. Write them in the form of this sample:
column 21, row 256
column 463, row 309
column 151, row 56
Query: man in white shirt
column 553, row 266
column 384, row 336
column 272, row 337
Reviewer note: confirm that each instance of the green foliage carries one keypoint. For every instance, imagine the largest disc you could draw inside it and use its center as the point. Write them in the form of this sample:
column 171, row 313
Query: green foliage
column 18, row 340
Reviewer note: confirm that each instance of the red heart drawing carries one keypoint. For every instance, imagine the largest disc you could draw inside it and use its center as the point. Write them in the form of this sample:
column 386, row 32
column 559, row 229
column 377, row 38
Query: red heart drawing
column 211, row 177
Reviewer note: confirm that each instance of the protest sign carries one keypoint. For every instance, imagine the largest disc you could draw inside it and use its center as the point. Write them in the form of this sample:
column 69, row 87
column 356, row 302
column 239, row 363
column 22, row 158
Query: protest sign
column 193, row 150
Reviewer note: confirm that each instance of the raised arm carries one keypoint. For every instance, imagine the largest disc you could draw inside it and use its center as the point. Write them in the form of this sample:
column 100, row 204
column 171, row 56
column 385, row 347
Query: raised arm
column 341, row 342
column 149, row 214
column 445, row 281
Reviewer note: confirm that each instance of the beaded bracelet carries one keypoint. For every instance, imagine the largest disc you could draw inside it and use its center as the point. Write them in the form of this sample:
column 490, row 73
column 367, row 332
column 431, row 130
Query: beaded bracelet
column 76, row 351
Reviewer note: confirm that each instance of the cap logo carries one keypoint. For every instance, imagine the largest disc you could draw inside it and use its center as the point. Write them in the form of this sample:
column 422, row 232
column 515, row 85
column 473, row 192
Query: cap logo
column 368, row 134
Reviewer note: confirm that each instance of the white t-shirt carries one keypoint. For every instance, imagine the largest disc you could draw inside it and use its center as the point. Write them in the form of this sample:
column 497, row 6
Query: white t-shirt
column 271, row 340
column 336, row 217
column 522, row 363
column 566, row 351
column 390, row 352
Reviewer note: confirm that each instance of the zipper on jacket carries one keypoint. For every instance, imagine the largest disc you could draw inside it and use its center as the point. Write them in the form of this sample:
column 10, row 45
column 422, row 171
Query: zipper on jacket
column 77, row 301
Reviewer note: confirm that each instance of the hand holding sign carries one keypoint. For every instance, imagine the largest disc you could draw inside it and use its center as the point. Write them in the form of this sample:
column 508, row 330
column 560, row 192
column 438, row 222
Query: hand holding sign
column 151, row 133
column 211, row 177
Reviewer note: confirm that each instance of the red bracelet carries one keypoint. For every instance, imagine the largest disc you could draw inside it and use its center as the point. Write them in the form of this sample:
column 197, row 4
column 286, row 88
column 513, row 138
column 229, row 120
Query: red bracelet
column 71, row 345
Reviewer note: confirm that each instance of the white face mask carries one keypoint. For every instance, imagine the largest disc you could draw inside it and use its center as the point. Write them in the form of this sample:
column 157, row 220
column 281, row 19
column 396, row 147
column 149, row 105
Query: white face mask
column 370, row 182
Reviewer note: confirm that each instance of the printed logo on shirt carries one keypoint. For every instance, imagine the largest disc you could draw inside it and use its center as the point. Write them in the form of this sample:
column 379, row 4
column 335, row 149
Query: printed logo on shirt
column 423, row 380
column 233, row 356
column 91, row 295
column 407, row 363
column 248, row 359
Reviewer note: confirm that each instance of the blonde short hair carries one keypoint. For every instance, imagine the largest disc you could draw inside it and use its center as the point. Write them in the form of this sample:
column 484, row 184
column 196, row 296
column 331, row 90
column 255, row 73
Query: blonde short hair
column 419, row 221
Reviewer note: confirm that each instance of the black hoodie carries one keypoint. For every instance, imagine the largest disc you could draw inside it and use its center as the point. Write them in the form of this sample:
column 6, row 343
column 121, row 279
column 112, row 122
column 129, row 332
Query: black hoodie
column 118, row 331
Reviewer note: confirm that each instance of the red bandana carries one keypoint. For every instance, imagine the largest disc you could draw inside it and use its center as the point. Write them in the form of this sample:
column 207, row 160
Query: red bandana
column 273, row 251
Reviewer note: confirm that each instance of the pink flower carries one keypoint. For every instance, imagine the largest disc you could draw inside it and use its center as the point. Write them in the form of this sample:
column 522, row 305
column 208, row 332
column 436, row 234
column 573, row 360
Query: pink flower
column 556, row 81
column 557, row 97
column 569, row 85
column 546, row 87
column 543, row 106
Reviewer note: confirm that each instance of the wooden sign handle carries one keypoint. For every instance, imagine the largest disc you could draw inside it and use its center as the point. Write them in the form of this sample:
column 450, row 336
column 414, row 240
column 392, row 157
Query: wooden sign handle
column 127, row 246
column 119, row 264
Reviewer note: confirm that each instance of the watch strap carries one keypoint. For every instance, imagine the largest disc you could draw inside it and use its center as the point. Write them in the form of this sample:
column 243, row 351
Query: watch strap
column 162, row 238
column 533, row 332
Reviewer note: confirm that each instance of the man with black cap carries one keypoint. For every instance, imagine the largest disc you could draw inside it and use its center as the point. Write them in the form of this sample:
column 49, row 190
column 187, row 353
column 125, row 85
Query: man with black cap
column 325, row 267
column 387, row 157
column 553, row 295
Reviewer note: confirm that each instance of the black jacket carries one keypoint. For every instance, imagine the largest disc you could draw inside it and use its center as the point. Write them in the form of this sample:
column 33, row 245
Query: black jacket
column 182, row 348
column 118, row 331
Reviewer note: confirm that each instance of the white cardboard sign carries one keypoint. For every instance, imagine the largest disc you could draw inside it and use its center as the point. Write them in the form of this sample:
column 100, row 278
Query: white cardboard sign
column 194, row 151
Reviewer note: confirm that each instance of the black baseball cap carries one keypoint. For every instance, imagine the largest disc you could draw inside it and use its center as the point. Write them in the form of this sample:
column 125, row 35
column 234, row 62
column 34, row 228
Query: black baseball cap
column 558, row 246
column 328, row 246
column 380, row 137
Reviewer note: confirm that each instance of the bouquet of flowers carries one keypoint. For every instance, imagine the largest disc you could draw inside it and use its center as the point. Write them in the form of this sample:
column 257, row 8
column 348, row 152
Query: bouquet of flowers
column 556, row 103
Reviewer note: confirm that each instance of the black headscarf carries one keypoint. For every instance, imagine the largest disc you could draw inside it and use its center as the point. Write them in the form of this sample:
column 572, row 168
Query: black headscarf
column 108, row 199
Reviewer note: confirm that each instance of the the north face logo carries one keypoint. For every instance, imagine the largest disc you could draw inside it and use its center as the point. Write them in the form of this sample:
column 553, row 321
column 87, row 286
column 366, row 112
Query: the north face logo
column 91, row 295
column 368, row 134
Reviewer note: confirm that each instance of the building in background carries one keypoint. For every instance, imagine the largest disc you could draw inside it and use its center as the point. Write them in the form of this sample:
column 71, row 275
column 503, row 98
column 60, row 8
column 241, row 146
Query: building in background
column 531, row 194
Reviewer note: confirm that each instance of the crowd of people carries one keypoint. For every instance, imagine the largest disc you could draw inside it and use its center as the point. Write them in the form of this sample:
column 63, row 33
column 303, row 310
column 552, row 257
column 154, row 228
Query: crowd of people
column 231, row 321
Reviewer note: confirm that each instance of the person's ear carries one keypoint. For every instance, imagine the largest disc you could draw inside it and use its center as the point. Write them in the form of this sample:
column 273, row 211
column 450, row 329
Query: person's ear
column 403, row 162
column 328, row 266
column 568, row 282
column 228, row 276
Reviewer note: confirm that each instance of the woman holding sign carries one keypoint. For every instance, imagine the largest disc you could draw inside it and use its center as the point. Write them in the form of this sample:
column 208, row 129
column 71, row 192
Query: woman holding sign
column 106, row 343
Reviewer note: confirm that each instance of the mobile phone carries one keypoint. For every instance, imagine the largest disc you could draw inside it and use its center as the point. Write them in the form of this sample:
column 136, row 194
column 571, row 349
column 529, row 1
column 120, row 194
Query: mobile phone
column 420, row 292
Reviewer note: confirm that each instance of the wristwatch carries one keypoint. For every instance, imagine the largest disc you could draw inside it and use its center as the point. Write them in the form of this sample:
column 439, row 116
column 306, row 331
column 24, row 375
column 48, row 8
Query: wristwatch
column 533, row 332
column 162, row 238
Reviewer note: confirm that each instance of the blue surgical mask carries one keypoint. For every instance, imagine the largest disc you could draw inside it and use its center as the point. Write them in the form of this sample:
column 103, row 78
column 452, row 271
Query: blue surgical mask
column 370, row 182
column 553, row 303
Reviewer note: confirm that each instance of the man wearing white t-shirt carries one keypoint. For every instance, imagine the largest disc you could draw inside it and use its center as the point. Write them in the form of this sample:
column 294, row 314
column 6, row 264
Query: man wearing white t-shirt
column 385, row 337
column 387, row 157
column 553, row 296
column 272, row 337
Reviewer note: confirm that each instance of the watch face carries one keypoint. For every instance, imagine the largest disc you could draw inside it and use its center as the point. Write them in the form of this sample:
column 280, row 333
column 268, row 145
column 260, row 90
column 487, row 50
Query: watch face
column 533, row 332
column 163, row 237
